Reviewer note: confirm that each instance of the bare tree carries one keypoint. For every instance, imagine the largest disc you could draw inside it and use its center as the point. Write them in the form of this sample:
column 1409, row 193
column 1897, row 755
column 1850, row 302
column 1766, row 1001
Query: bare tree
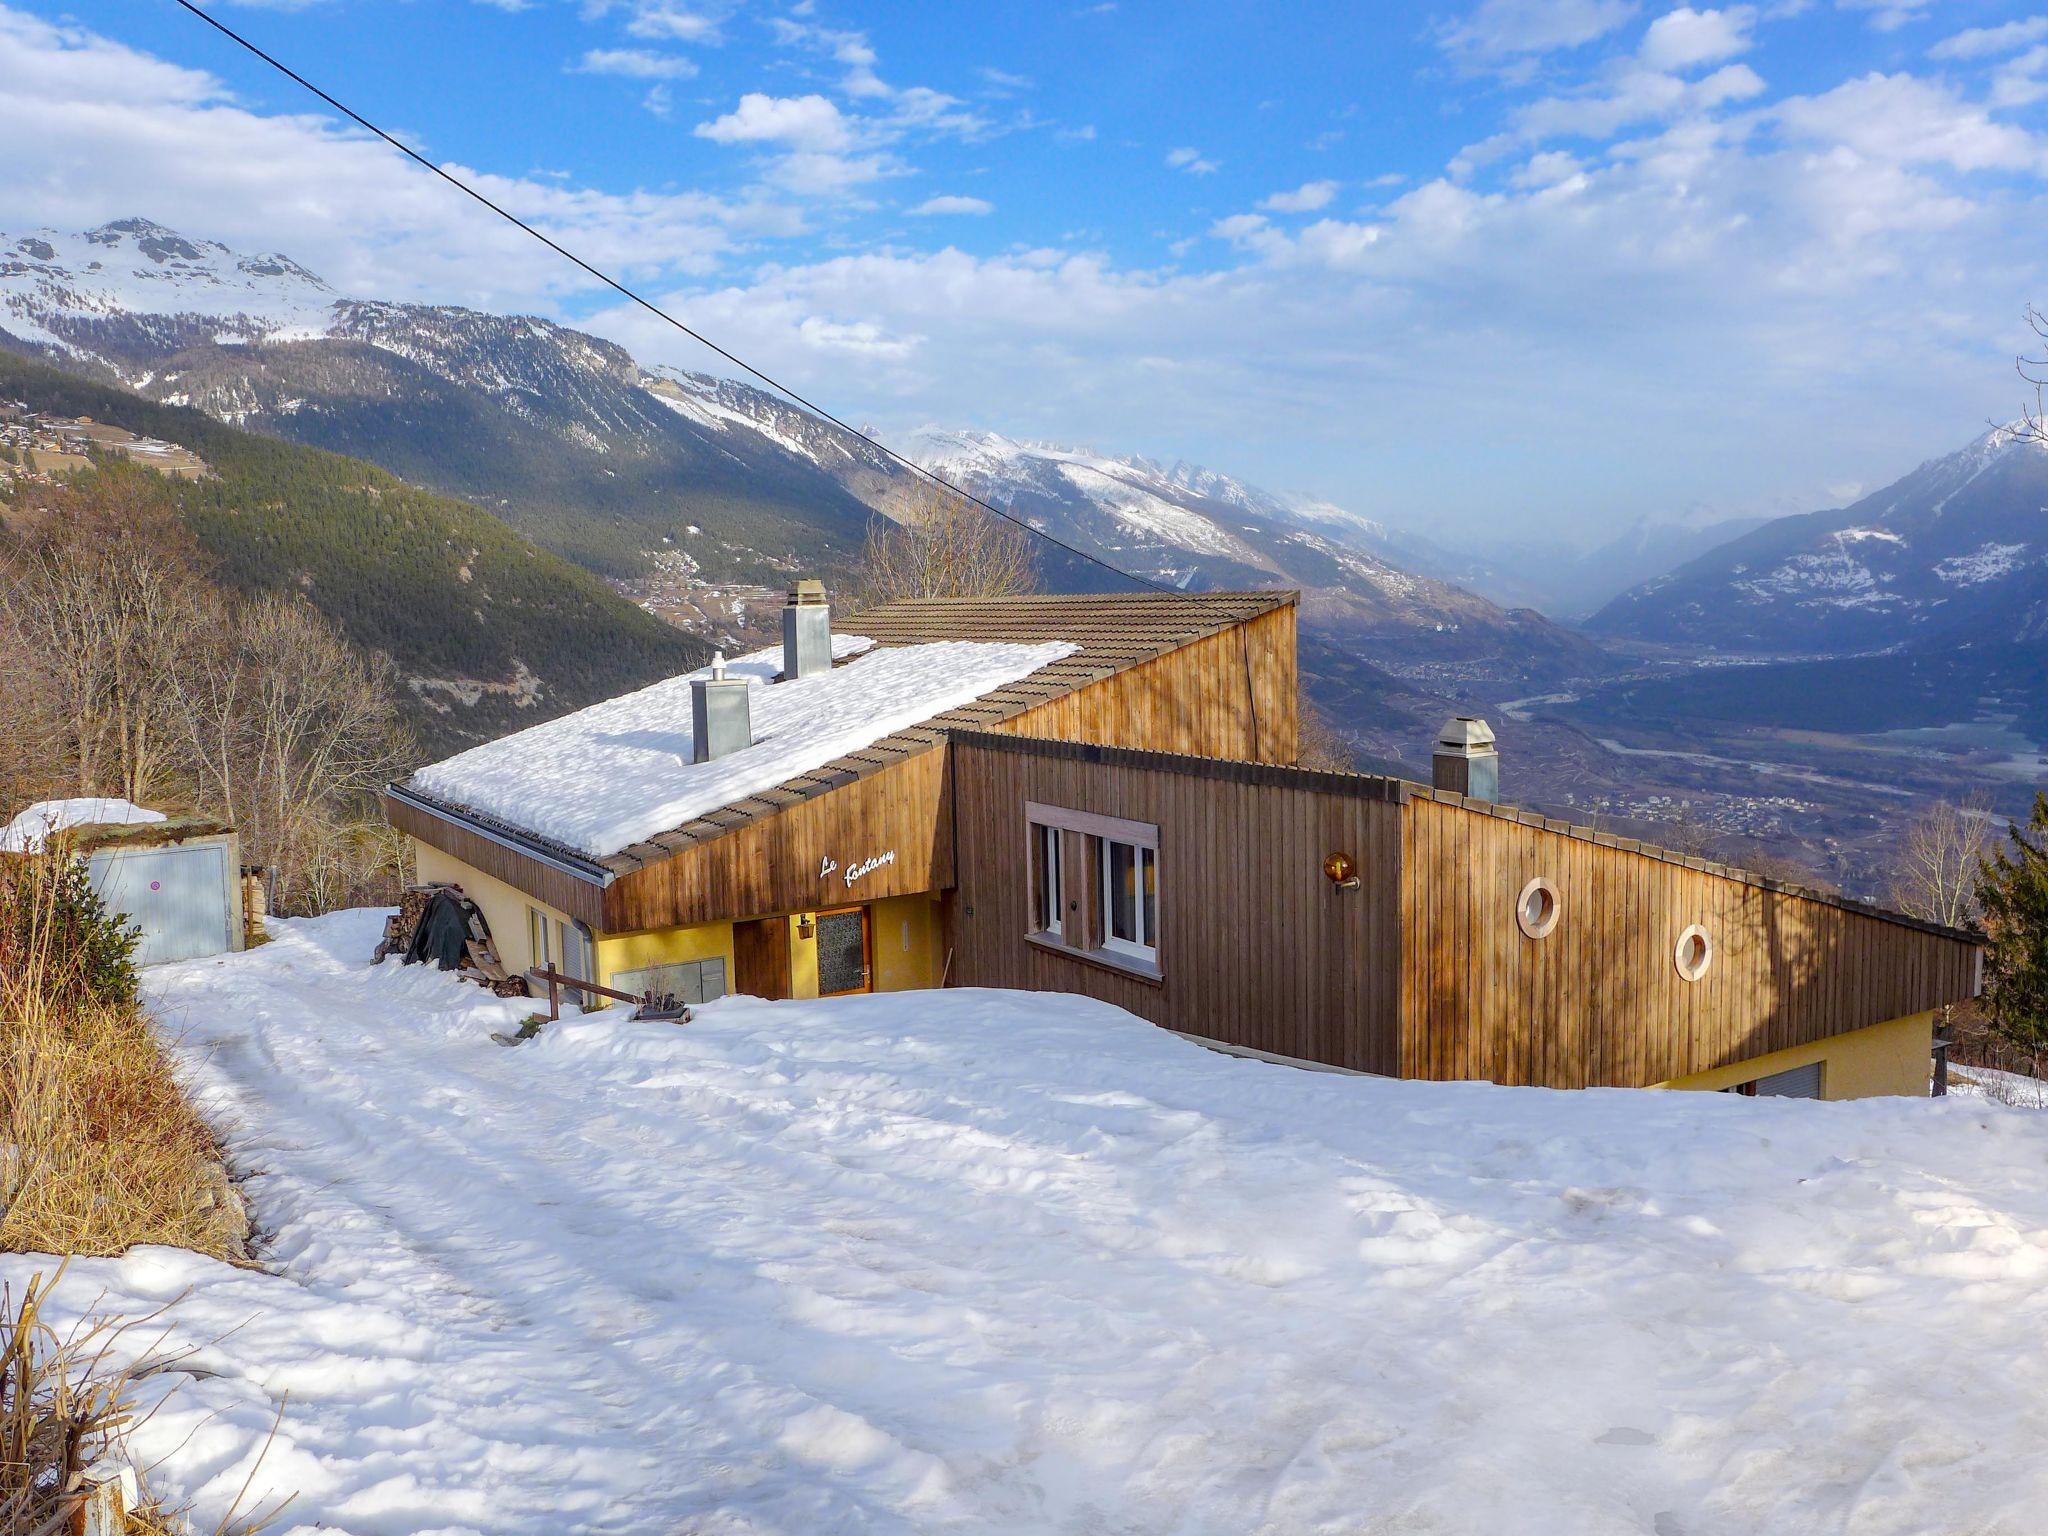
column 1940, row 863
column 1318, row 743
column 943, row 545
column 290, row 730
column 105, row 602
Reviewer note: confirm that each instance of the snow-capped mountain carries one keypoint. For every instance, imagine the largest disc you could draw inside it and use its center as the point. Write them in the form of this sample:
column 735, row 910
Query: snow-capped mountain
column 1193, row 527
column 1955, row 552
column 132, row 285
column 568, row 438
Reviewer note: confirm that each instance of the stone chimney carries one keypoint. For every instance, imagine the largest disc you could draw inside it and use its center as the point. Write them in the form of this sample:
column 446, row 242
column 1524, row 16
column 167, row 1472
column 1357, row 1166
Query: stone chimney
column 1466, row 760
column 806, row 632
column 721, row 717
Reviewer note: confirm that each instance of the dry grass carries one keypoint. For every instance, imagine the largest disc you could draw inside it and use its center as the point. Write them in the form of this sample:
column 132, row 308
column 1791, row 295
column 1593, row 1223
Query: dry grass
column 99, row 1148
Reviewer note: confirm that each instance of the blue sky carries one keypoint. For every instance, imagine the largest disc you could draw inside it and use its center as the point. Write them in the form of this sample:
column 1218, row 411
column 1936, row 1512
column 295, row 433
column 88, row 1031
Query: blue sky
column 1507, row 269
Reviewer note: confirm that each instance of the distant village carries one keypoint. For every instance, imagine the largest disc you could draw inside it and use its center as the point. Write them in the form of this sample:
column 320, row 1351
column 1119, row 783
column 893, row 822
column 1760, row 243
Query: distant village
column 40, row 448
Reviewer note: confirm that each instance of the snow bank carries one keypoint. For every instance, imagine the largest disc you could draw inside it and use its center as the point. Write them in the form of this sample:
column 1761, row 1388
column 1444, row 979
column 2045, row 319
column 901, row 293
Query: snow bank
column 608, row 776
column 974, row 1262
column 28, row 831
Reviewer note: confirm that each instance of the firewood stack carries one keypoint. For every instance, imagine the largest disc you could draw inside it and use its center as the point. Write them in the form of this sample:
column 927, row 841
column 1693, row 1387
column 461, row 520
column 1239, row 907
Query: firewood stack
column 480, row 955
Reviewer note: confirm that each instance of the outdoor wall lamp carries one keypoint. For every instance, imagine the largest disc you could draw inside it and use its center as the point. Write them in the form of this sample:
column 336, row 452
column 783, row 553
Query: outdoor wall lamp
column 806, row 925
column 1342, row 873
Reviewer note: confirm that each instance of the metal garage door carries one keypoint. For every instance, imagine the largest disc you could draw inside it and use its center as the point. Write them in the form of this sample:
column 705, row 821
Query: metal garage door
column 1794, row 1083
column 179, row 898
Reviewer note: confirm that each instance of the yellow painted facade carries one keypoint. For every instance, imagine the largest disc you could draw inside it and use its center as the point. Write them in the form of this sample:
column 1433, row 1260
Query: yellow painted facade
column 904, row 934
column 1891, row 1058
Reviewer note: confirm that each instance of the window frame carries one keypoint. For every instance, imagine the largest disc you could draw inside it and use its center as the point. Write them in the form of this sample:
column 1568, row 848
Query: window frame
column 1142, row 858
column 1085, row 932
column 1046, row 852
column 539, row 945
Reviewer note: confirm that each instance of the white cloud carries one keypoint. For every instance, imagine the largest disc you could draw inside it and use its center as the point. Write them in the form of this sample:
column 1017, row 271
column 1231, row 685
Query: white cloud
column 953, row 204
column 1988, row 42
column 669, row 23
column 1306, row 198
column 803, row 122
column 117, row 132
column 1887, row 15
column 635, row 64
column 1908, row 121
column 1191, row 161
column 1683, row 38
column 1506, row 29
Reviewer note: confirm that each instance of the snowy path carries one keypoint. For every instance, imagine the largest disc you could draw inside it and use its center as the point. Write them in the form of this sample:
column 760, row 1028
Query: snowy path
column 979, row 1262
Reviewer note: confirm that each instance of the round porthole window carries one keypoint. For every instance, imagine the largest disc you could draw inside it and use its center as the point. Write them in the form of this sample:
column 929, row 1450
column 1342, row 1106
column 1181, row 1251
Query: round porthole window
column 1695, row 953
column 1536, row 908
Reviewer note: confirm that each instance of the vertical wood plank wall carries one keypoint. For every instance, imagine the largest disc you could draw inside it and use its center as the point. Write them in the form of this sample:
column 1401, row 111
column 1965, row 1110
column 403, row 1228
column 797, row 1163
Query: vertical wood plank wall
column 1600, row 1000
column 773, row 865
column 1193, row 699
column 1257, row 949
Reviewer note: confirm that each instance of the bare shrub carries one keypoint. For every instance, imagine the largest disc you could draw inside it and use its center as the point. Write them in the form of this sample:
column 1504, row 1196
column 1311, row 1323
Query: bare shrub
column 67, row 1406
column 943, row 545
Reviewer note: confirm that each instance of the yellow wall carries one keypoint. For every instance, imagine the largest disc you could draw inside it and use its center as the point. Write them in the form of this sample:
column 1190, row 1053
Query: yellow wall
column 903, row 930
column 1889, row 1058
column 504, row 906
column 663, row 946
column 904, row 933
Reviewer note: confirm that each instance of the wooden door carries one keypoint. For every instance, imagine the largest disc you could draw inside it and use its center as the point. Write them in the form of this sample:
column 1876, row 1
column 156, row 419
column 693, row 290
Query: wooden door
column 844, row 961
column 760, row 954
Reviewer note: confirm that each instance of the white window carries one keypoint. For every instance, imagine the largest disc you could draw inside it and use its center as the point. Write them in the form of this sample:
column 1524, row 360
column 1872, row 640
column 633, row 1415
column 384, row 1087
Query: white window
column 537, row 939
column 577, row 961
column 1047, row 904
column 1130, row 898
column 1119, row 922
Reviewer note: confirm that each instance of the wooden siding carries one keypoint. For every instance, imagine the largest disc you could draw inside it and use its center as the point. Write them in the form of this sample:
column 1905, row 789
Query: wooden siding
column 775, row 864
column 1600, row 1000
column 579, row 898
column 1230, row 695
column 1257, row 949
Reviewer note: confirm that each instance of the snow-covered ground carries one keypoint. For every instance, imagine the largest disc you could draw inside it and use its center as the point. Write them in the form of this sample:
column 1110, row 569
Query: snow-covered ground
column 972, row 1261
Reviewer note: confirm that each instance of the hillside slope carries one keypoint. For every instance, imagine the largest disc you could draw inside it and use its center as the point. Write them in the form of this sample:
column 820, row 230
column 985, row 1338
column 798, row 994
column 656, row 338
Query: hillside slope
column 1955, row 552
column 488, row 631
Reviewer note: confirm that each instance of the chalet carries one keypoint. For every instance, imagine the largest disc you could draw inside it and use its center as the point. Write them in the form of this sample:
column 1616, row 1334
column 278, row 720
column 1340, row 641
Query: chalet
column 1097, row 794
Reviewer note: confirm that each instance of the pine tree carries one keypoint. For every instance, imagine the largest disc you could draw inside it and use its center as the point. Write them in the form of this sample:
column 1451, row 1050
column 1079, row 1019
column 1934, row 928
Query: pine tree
column 2014, row 894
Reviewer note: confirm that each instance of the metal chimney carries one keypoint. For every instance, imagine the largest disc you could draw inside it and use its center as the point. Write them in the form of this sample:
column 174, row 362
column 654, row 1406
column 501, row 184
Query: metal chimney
column 1466, row 760
column 806, row 632
column 721, row 718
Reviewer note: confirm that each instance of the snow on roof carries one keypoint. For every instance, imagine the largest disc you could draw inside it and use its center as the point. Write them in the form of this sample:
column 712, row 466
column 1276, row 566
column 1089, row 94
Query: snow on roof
column 619, row 772
column 28, row 831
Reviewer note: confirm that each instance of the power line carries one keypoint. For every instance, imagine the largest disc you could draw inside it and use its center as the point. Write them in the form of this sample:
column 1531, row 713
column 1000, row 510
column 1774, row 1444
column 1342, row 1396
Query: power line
column 653, row 309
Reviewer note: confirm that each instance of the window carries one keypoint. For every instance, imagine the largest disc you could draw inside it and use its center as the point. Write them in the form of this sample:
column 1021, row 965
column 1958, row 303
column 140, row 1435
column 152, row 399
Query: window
column 1536, row 908
column 1047, row 902
column 577, row 961
column 1694, row 954
column 1130, row 898
column 537, row 945
column 1116, row 919
column 687, row 981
